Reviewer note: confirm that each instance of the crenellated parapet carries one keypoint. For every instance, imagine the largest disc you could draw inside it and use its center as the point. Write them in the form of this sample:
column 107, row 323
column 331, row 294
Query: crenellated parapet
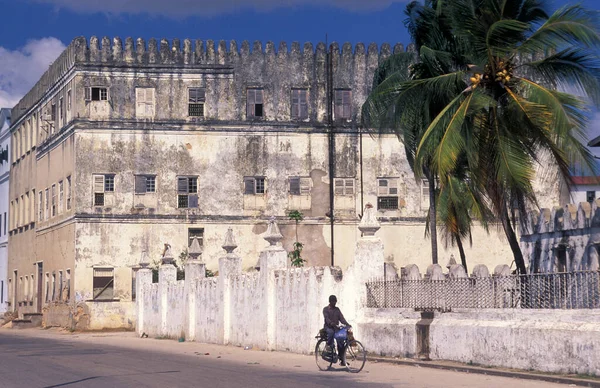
column 562, row 219
column 358, row 60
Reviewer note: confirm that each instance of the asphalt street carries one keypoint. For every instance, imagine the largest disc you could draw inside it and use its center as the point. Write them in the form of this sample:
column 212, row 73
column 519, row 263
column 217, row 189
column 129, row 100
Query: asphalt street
column 42, row 358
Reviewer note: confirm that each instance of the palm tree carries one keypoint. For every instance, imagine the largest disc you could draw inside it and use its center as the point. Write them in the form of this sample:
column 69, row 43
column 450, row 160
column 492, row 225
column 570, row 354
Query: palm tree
column 458, row 205
column 506, row 109
column 398, row 103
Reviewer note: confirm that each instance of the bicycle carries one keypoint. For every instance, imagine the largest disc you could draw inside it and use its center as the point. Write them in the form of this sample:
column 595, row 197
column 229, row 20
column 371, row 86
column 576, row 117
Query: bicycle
column 356, row 355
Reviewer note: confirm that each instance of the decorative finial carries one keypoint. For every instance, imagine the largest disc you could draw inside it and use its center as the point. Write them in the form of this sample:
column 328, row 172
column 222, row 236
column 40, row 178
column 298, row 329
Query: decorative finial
column 273, row 235
column 369, row 224
column 451, row 262
column 144, row 260
column 229, row 245
column 167, row 257
column 195, row 249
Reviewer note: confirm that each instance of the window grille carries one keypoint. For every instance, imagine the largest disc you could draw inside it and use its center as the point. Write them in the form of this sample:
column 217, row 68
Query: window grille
column 196, row 101
column 96, row 94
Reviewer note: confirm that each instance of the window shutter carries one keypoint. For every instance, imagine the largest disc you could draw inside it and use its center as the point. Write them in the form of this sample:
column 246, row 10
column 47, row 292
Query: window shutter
column 140, row 184
column 393, row 186
column 339, row 187
column 249, row 186
column 305, row 186
column 140, row 98
column 295, row 186
column 98, row 183
column 193, row 200
column 150, row 102
column 88, row 94
column 349, row 190
column 182, row 185
column 382, row 188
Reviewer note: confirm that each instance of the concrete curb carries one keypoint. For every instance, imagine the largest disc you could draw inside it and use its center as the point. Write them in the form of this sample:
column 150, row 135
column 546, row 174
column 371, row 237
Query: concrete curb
column 455, row 367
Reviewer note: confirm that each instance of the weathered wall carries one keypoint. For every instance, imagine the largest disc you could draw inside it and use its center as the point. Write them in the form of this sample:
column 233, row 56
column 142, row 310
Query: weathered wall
column 5, row 149
column 280, row 308
column 562, row 239
column 543, row 340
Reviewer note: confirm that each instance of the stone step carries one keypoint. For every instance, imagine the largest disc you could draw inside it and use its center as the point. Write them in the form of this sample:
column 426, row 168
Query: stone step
column 35, row 318
column 22, row 324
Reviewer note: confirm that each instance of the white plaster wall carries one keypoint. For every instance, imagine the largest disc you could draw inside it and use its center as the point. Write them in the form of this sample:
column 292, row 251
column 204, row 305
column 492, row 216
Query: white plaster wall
column 4, row 205
column 544, row 340
column 389, row 332
column 209, row 322
column 248, row 311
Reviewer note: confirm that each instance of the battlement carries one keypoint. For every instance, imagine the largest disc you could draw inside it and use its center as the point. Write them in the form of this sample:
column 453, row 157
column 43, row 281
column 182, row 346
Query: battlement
column 557, row 219
column 108, row 52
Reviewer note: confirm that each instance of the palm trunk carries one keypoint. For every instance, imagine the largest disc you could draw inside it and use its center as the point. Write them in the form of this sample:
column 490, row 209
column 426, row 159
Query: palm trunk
column 432, row 219
column 513, row 242
column 461, row 250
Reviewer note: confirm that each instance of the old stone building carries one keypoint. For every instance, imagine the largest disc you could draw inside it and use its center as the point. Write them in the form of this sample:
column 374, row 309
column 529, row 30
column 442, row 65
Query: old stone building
column 120, row 148
column 4, row 174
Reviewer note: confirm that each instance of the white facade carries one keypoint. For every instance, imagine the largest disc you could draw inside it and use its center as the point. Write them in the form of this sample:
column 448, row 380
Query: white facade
column 4, row 173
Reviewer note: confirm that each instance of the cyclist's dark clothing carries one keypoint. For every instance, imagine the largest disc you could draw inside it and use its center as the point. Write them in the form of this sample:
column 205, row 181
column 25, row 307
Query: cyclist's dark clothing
column 333, row 316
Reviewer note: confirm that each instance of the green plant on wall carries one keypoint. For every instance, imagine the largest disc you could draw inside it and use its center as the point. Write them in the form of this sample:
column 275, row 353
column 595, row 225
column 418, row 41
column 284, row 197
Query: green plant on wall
column 296, row 254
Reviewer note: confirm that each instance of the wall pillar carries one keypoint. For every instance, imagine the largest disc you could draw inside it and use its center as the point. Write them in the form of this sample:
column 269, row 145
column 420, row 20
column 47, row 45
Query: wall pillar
column 230, row 265
column 167, row 275
column 143, row 280
column 369, row 262
column 195, row 270
column 271, row 258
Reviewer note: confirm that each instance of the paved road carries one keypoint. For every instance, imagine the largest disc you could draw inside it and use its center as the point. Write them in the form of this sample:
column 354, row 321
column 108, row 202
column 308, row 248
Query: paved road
column 47, row 358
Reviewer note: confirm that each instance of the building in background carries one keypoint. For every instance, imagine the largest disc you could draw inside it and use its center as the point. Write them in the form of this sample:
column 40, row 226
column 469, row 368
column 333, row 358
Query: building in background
column 121, row 148
column 4, row 177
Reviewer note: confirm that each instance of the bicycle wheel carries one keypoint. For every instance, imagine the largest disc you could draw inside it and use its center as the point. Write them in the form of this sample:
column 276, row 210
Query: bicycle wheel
column 356, row 356
column 323, row 359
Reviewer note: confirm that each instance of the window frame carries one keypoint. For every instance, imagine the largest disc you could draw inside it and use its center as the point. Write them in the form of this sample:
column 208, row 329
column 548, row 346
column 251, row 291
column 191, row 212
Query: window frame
column 259, row 185
column 297, row 113
column 196, row 103
column 302, row 187
column 97, row 274
column 53, row 207
column 68, row 179
column 191, row 195
column 149, row 181
column 344, row 189
column 101, row 185
column 61, row 196
column 253, row 106
column 198, row 233
column 342, row 104
column 388, row 194
column 143, row 107
column 90, row 95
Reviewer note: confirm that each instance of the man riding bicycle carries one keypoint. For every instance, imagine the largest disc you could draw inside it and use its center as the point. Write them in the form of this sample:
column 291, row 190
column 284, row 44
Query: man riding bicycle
column 333, row 316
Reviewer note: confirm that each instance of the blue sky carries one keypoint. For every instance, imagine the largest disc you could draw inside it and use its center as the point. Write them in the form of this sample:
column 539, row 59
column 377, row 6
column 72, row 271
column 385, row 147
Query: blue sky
column 34, row 32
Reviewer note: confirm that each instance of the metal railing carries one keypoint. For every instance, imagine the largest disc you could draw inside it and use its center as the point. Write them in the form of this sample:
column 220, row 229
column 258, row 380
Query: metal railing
column 574, row 290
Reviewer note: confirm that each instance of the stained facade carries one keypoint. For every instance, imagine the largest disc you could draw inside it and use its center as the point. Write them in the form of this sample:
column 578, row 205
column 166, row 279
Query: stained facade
column 122, row 147
column 4, row 177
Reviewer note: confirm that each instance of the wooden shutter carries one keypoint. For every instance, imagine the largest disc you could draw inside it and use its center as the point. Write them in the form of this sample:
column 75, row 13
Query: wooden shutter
column 305, row 186
column 393, row 186
column 339, row 187
column 98, row 183
column 193, row 200
column 250, row 101
column 140, row 184
column 349, row 187
column 150, row 103
column 249, row 186
column 88, row 94
column 382, row 187
column 182, row 185
column 295, row 186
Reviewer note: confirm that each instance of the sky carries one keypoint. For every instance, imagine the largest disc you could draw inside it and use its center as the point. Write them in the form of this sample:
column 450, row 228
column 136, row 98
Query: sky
column 34, row 32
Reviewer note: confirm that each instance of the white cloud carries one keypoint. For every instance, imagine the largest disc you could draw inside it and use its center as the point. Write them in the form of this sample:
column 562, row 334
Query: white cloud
column 22, row 68
column 182, row 8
